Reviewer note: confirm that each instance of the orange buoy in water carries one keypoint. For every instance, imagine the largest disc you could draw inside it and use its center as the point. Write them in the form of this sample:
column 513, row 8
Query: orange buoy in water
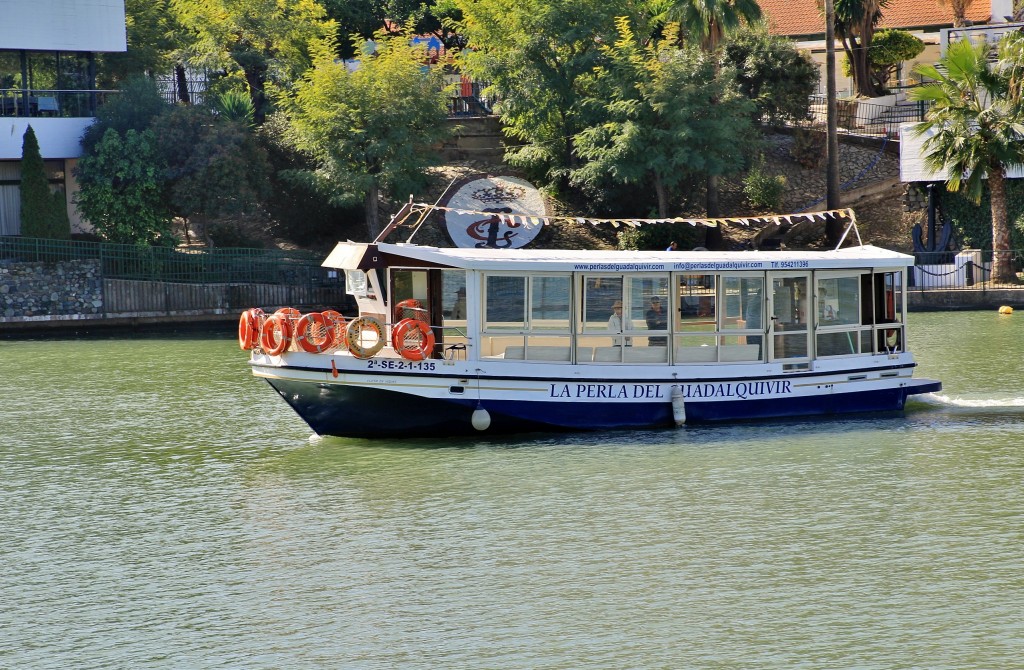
column 1006, row 309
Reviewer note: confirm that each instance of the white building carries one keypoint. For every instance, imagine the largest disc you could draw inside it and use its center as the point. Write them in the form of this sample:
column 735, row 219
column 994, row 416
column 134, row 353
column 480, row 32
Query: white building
column 48, row 79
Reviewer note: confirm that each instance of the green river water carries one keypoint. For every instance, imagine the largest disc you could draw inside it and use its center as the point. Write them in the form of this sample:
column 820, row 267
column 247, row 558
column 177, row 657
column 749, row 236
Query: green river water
column 161, row 508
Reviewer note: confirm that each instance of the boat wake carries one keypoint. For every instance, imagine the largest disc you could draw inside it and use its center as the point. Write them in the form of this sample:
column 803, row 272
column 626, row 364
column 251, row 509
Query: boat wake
column 972, row 402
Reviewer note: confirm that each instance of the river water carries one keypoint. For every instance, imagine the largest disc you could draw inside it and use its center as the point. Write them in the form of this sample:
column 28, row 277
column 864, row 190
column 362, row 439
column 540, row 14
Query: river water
column 161, row 508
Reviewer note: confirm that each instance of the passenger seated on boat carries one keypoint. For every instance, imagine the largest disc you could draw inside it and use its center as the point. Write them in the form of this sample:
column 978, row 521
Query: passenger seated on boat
column 617, row 324
column 656, row 320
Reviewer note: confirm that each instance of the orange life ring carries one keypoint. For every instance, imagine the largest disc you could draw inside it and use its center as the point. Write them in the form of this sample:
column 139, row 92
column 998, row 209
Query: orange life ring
column 413, row 339
column 276, row 334
column 249, row 327
column 891, row 338
column 411, row 308
column 354, row 336
column 336, row 323
column 313, row 333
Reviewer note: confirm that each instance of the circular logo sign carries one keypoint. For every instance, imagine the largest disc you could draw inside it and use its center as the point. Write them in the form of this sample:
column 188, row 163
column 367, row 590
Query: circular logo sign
column 495, row 212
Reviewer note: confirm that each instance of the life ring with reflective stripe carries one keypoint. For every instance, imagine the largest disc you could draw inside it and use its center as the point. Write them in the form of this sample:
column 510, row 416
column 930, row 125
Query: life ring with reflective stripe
column 249, row 327
column 355, row 335
column 411, row 308
column 336, row 322
column 413, row 339
column 313, row 333
column 276, row 334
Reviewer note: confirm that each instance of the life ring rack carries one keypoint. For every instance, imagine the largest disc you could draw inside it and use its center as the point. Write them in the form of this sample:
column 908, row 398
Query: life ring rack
column 413, row 339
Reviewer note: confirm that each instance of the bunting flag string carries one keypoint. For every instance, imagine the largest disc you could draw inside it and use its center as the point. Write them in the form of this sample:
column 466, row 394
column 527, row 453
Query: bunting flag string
column 516, row 220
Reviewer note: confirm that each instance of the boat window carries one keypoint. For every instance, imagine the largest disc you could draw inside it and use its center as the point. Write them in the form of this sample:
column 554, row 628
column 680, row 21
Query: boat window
column 741, row 313
column 624, row 319
column 527, row 317
column 839, row 329
column 888, row 311
column 505, row 300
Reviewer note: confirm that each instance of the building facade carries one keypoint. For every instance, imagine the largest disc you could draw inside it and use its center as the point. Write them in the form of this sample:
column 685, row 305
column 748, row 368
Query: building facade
column 48, row 51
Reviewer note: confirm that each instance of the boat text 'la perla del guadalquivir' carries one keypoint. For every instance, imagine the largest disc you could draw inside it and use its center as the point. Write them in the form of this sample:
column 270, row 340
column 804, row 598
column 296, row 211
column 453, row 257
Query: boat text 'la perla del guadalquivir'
column 453, row 341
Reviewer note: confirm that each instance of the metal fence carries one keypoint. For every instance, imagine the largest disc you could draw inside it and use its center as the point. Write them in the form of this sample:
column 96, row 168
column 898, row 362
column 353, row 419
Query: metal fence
column 856, row 117
column 969, row 269
column 150, row 280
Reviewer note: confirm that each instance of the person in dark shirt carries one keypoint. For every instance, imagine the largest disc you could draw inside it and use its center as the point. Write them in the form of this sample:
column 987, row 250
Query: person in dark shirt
column 656, row 320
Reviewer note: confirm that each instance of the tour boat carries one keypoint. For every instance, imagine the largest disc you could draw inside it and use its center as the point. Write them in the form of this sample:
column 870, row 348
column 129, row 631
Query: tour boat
column 464, row 341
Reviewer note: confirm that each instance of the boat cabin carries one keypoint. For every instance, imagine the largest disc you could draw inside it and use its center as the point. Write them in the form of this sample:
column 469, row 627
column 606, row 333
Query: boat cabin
column 636, row 308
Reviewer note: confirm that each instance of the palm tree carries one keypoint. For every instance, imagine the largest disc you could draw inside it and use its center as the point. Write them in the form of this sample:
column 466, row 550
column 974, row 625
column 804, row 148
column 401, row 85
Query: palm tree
column 976, row 123
column 959, row 9
column 709, row 21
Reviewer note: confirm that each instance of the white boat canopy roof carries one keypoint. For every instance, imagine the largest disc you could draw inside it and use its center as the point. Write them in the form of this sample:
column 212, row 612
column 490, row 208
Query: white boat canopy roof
column 362, row 256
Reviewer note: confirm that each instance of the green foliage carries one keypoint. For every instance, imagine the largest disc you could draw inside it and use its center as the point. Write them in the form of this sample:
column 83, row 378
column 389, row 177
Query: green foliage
column 264, row 41
column 708, row 22
column 121, row 191
column 371, row 128
column 134, row 108
column 35, row 189
column 889, row 48
column 855, row 22
column 809, row 147
column 235, row 106
column 658, row 237
column 153, row 36
column 212, row 165
column 764, row 190
column 779, row 78
column 976, row 121
column 539, row 56
column 300, row 212
column 972, row 222
column 657, row 128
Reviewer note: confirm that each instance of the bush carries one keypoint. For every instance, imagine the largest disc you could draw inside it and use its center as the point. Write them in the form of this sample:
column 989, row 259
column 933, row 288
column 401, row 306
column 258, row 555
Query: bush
column 658, row 237
column 809, row 147
column 764, row 190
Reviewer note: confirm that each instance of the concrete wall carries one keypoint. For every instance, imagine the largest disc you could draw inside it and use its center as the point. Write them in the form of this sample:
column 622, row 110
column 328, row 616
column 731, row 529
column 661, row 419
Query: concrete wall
column 63, row 25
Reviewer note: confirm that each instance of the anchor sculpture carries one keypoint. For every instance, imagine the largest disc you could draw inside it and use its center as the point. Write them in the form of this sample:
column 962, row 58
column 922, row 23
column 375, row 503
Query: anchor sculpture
column 931, row 252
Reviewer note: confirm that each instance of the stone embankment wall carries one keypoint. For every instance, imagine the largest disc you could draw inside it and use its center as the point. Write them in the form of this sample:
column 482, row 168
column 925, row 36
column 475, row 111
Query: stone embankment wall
column 50, row 289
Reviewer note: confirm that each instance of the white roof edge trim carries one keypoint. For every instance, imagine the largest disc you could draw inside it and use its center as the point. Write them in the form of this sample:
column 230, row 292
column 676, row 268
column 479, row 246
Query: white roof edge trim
column 346, row 255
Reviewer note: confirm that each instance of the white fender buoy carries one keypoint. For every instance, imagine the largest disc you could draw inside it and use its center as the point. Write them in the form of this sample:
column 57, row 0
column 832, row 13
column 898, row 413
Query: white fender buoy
column 481, row 418
column 678, row 406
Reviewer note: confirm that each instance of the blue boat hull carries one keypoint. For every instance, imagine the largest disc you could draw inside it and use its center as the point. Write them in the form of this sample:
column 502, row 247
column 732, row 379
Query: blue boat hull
column 354, row 411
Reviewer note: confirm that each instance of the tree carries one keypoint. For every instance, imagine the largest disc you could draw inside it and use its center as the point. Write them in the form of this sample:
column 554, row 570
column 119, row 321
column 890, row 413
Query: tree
column 976, row 126
column 539, row 56
column 121, row 189
column 213, row 165
column 889, row 48
column 959, row 8
column 708, row 22
column 657, row 129
column 44, row 213
column 773, row 73
column 134, row 108
column 262, row 41
column 855, row 25
column 372, row 128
